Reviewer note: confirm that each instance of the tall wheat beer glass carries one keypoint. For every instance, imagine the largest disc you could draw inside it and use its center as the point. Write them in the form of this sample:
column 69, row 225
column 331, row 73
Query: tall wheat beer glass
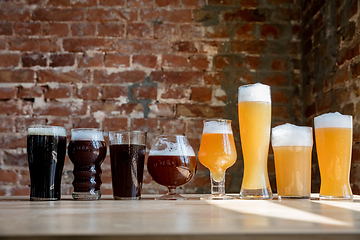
column 254, row 108
column 333, row 136
column 292, row 147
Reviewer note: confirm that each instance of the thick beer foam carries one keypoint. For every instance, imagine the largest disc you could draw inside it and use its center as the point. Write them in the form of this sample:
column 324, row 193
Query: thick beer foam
column 217, row 127
column 172, row 149
column 333, row 120
column 254, row 92
column 87, row 134
column 291, row 135
column 47, row 130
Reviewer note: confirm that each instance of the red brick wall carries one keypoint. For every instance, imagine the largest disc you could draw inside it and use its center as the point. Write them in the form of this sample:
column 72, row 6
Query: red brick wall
column 155, row 65
column 331, row 69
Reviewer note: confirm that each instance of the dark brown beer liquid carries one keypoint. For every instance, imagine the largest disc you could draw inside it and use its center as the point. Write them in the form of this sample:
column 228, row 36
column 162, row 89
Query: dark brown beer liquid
column 171, row 171
column 87, row 155
column 127, row 166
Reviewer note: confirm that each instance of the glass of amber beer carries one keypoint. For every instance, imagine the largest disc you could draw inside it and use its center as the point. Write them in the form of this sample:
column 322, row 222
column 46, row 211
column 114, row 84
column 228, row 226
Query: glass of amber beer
column 333, row 136
column 292, row 147
column 217, row 153
column 171, row 163
column 254, row 108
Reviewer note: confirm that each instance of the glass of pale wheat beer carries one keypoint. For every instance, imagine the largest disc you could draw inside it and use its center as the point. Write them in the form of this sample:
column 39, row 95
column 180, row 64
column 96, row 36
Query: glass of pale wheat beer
column 217, row 153
column 292, row 146
column 333, row 136
column 171, row 163
column 87, row 150
column 254, row 108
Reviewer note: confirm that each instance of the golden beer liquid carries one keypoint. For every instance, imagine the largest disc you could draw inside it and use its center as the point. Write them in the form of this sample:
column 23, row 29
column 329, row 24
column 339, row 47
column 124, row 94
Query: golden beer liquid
column 217, row 153
column 334, row 156
column 293, row 170
column 255, row 121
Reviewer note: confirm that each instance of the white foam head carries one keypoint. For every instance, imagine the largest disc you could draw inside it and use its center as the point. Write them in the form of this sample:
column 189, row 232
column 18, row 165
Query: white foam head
column 291, row 135
column 180, row 147
column 47, row 130
column 217, row 126
column 254, row 93
column 333, row 120
column 87, row 134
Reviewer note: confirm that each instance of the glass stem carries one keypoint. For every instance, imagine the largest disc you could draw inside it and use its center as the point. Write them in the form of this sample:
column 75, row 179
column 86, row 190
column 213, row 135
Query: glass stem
column 217, row 188
column 172, row 191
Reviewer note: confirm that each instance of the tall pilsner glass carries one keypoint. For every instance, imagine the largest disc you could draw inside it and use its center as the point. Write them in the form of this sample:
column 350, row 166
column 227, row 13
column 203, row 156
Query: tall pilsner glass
column 254, row 108
column 333, row 136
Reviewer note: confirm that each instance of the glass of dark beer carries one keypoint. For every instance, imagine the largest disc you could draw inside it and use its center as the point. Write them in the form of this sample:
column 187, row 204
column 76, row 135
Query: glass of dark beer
column 171, row 163
column 127, row 154
column 87, row 150
column 46, row 149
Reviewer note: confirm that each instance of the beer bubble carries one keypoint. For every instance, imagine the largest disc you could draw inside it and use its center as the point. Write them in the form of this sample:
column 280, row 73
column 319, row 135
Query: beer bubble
column 333, row 120
column 291, row 135
column 87, row 134
column 254, row 93
column 168, row 148
column 47, row 130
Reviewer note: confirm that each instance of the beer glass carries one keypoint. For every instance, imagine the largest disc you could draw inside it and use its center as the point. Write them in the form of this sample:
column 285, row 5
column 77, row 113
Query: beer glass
column 171, row 163
column 292, row 147
column 217, row 153
column 87, row 150
column 333, row 136
column 46, row 149
column 127, row 154
column 254, row 108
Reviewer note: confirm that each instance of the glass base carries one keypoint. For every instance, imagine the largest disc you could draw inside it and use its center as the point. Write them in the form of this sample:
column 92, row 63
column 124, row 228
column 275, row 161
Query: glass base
column 87, row 196
column 261, row 194
column 292, row 197
column 170, row 196
column 126, row 198
column 218, row 197
column 336, row 198
column 43, row 199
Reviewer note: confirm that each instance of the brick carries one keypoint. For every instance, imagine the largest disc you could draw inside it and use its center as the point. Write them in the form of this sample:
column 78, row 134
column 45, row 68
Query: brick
column 341, row 75
column 55, row 29
column 220, row 2
column 181, row 78
column 83, row 29
column 134, row 76
column 161, row 110
column 173, row 126
column 7, row 93
column 279, row 64
column 14, row 14
column 9, row 60
column 275, row 80
column 29, row 93
column 199, row 62
column 185, row 46
column 27, row 29
column 82, row 3
column 115, row 124
column 12, row 141
column 245, row 32
column 111, row 29
column 355, row 70
column 87, row 44
column 6, row 28
column 213, row 78
column 58, row 15
column 34, row 44
column 139, row 30
column 15, row 158
column 247, row 3
column 167, row 3
column 23, row 123
column 174, row 93
column 62, row 60
column 16, row 76
column 6, row 124
column 59, row 3
column 287, row 14
column 219, row 31
column 221, row 62
column 279, row 2
column 201, row 94
column 252, row 47
column 279, row 112
column 150, row 46
column 61, row 91
column 252, row 62
column 119, row 3
column 346, row 54
column 144, row 92
column 194, row 126
column 192, row 31
column 140, row 3
column 194, row 3
column 111, row 92
column 168, row 31
column 8, row 176
column 45, row 76
column 54, row 108
column 144, row 124
column 85, row 122
column 111, row 15
column 24, row 178
column 172, row 16
column 117, row 60
column 88, row 92
column 271, row 31
column 21, row 191
column 149, row 61
column 33, row 59
column 245, row 15
column 124, row 109
column 174, row 61
column 194, row 110
column 279, row 97
column 90, row 60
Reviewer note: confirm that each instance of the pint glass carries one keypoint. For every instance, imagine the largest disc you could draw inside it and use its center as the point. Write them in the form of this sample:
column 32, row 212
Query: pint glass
column 87, row 150
column 254, row 108
column 292, row 147
column 46, row 149
column 127, row 154
column 333, row 136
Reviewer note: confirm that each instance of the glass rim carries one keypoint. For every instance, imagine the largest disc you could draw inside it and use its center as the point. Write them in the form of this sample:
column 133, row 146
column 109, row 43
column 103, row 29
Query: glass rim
column 45, row 126
column 217, row 120
column 127, row 131
column 170, row 135
column 87, row 129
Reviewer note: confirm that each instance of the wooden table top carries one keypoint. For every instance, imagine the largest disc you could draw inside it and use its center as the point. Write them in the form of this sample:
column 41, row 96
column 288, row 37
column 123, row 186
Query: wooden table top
column 189, row 219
